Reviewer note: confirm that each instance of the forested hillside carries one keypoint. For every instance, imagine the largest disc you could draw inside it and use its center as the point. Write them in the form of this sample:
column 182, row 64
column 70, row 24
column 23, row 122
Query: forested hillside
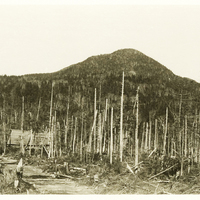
column 71, row 92
column 75, row 85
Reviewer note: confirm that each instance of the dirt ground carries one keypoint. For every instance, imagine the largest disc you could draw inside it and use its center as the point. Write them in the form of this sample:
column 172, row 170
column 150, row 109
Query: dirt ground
column 41, row 177
column 46, row 184
column 36, row 181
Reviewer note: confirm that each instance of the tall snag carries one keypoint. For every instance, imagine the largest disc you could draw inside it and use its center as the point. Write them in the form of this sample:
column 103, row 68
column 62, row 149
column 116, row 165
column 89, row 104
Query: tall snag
column 99, row 135
column 111, row 135
column 179, row 124
column 59, row 138
column 143, row 137
column 165, row 132
column 81, row 140
column 103, row 127
column 22, row 117
column 67, row 127
column 22, row 127
column 4, row 138
column 95, row 106
column 38, row 111
column 156, row 135
column 136, row 129
column 50, row 124
column 72, row 128
column 149, row 146
column 102, row 133
column 186, row 136
column 74, row 139
column 89, row 146
column 55, row 132
column 121, row 120
column 146, row 137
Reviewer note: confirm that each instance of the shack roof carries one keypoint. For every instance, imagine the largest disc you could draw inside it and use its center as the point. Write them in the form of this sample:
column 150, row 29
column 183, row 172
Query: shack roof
column 37, row 139
column 17, row 134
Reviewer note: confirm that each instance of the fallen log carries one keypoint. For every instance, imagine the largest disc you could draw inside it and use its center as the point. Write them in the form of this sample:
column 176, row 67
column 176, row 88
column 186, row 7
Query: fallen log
column 151, row 153
column 65, row 176
column 78, row 168
column 162, row 171
column 138, row 164
column 160, row 181
column 169, row 168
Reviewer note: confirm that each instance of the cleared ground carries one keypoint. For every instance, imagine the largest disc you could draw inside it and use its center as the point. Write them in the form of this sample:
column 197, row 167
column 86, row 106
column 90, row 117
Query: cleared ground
column 44, row 183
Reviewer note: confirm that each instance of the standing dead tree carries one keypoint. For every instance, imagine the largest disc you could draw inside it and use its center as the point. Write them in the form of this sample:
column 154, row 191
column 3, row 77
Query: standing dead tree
column 121, row 120
column 136, row 128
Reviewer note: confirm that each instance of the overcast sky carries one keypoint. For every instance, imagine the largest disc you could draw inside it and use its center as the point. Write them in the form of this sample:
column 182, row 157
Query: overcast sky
column 47, row 38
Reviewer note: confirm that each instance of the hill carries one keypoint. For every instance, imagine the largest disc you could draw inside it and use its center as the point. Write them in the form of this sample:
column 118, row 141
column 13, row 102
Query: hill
column 75, row 84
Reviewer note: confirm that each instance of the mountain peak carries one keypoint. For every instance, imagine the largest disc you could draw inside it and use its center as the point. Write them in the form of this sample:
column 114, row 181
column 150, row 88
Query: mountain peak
column 130, row 61
column 127, row 51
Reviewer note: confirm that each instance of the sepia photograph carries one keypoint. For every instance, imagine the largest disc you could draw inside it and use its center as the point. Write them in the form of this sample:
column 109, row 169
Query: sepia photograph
column 99, row 98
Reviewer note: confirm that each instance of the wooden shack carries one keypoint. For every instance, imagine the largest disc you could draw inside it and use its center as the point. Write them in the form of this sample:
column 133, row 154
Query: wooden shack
column 17, row 136
column 31, row 141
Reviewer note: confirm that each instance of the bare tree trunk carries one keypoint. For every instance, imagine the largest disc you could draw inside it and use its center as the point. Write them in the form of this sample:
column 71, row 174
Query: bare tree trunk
column 102, row 134
column 180, row 107
column 121, row 120
column 30, row 143
column 22, row 119
column 172, row 147
column 165, row 133
column 74, row 140
column 85, row 142
column 146, row 137
column 4, row 138
column 115, row 141
column 136, row 129
column 192, row 146
column 95, row 105
column 99, row 139
column 66, row 126
column 186, row 136
column 143, row 137
column 22, row 127
column 56, row 134
column 38, row 111
column 51, row 139
column 199, row 141
column 51, row 106
column 198, row 156
column 104, row 138
column 72, row 132
column 168, row 140
column 21, row 145
column 195, row 137
column 100, row 98
column 60, row 141
column 106, row 110
column 90, row 137
column 149, row 135
column 189, row 152
column 111, row 136
column 81, row 142
column 50, row 123
column 15, row 116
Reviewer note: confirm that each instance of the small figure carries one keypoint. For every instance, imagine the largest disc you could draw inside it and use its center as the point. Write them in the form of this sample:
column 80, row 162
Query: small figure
column 19, row 169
